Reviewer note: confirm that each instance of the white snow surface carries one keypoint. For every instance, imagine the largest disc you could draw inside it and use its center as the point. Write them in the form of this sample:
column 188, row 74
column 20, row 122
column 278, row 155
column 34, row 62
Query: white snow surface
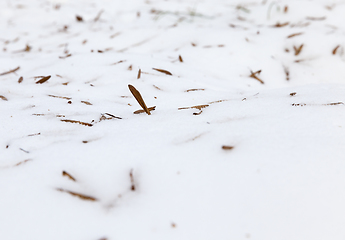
column 167, row 175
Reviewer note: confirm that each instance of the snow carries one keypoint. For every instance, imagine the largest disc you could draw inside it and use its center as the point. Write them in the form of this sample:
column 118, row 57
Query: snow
column 258, row 161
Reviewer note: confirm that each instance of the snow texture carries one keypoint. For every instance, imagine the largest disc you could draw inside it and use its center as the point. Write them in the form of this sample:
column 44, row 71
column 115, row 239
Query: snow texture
column 246, row 140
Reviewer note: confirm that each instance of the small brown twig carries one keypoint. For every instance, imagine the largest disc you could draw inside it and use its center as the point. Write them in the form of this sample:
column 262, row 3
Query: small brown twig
column 132, row 180
column 10, row 71
column 294, row 35
column 298, row 49
column 66, row 174
column 335, row 49
column 253, row 75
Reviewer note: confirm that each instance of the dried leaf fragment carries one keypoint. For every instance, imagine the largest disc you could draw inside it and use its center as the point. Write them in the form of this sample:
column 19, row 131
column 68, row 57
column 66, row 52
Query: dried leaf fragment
column 316, row 18
column 139, row 98
column 335, row 49
column 287, row 73
column 86, row 102
column 11, row 71
column 198, row 113
column 63, row 57
column 3, row 98
column 293, row 94
column 142, row 111
column 162, row 71
column 121, row 61
column 199, row 107
column 336, row 103
column 113, row 116
column 281, row 24
column 43, row 80
column 132, row 180
column 294, row 35
column 286, row 8
column 98, row 16
column 81, row 196
column 66, row 174
column 195, row 89
column 67, row 98
column 23, row 162
column 79, row 122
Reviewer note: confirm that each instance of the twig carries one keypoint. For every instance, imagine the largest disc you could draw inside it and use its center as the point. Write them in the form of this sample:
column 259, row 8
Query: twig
column 253, row 75
column 11, row 71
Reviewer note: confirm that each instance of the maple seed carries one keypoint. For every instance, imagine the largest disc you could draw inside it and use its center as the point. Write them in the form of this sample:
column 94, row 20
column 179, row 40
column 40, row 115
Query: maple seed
column 139, row 98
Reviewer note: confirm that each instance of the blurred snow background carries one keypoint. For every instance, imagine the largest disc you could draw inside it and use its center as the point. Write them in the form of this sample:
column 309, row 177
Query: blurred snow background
column 246, row 141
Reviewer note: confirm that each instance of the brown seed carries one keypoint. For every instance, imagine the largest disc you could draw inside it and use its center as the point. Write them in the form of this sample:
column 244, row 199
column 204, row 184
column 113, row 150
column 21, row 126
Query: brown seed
column 20, row 80
column 79, row 18
column 286, row 8
column 225, row 147
column 180, row 58
column 44, row 79
column 139, row 74
column 3, row 98
column 335, row 49
column 86, row 102
column 139, row 98
column 281, row 24
column 293, row 94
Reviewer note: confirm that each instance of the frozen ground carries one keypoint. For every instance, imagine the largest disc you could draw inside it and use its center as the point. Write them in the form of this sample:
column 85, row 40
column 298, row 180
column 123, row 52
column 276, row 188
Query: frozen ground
column 229, row 153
